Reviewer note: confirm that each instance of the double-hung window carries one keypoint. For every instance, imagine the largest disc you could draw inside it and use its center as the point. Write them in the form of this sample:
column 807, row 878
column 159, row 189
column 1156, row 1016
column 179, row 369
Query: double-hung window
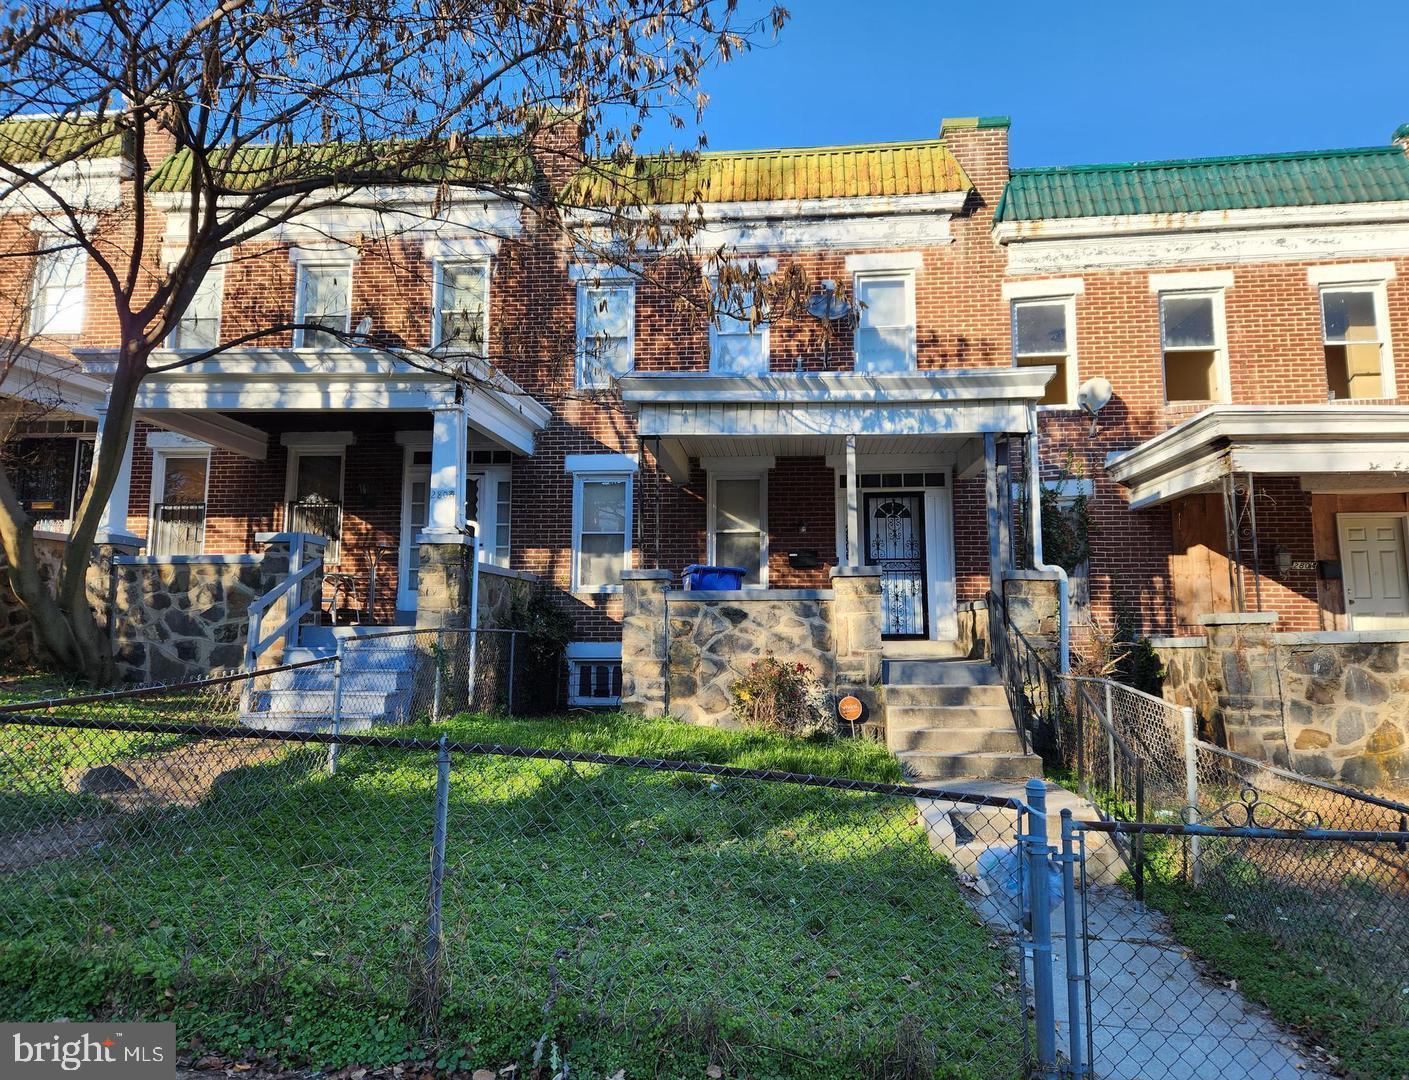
column 58, row 298
column 1355, row 340
column 738, row 333
column 324, row 299
column 1044, row 336
column 199, row 327
column 461, row 307
column 601, row 527
column 885, row 330
column 606, row 332
column 738, row 524
column 1191, row 334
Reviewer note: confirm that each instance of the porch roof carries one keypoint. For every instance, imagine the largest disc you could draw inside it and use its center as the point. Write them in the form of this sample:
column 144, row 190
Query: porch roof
column 822, row 408
column 193, row 399
column 1330, row 447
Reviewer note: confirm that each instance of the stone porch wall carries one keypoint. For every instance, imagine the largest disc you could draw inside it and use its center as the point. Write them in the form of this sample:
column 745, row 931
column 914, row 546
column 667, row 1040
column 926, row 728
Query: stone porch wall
column 498, row 590
column 1331, row 704
column 682, row 651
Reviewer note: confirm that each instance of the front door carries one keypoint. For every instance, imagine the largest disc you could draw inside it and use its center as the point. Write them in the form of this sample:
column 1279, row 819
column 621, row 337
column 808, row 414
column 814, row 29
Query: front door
column 1373, row 557
column 895, row 542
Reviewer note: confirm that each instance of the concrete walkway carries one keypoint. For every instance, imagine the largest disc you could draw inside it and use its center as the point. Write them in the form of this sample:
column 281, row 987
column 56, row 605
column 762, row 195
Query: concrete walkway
column 1155, row 1015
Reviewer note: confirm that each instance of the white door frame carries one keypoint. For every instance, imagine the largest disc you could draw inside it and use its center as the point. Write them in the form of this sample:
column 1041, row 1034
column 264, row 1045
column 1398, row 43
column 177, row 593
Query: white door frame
column 942, row 614
column 405, row 595
column 1342, row 519
column 160, row 455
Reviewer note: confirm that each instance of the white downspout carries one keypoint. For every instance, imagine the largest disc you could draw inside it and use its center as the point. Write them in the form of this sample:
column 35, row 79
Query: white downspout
column 1034, row 490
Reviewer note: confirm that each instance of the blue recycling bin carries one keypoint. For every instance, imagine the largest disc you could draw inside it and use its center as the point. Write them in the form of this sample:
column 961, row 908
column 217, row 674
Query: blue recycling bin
column 698, row 576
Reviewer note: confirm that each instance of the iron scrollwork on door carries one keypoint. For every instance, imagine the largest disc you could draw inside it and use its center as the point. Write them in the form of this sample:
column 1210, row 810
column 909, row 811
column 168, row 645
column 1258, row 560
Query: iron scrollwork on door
column 895, row 543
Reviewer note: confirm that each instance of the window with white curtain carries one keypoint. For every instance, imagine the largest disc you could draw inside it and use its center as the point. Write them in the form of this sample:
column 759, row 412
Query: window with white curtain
column 606, row 332
column 885, row 332
column 324, row 298
column 199, row 327
column 461, row 307
column 58, row 299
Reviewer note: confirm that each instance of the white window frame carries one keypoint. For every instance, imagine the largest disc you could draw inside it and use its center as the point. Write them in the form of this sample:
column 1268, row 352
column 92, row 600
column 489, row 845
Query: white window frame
column 437, row 288
column 763, row 331
column 302, row 449
column 1068, row 303
column 160, row 456
column 41, row 320
column 305, row 264
column 591, row 652
column 585, row 287
column 486, row 517
column 1373, row 278
column 905, row 275
column 759, row 474
column 1222, row 389
column 215, row 277
column 607, row 475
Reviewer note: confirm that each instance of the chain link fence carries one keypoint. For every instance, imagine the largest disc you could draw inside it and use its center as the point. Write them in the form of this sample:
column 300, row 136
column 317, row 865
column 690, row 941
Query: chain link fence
column 574, row 912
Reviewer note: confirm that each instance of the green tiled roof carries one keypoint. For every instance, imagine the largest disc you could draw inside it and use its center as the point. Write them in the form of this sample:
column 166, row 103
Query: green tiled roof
column 499, row 161
column 58, row 139
column 820, row 172
column 1312, row 178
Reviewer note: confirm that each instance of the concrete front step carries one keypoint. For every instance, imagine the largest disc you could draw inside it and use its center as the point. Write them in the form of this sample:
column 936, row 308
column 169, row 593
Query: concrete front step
column 934, row 765
column 940, row 673
column 957, row 740
column 375, row 704
column 298, row 721
column 907, row 717
column 938, row 694
column 321, row 678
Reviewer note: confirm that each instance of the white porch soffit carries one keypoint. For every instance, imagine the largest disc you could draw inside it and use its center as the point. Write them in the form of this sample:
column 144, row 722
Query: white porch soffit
column 925, row 403
column 1363, row 446
column 328, row 380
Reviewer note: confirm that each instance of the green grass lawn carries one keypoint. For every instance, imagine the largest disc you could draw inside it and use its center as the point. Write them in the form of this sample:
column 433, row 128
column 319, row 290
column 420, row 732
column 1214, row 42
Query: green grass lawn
column 608, row 918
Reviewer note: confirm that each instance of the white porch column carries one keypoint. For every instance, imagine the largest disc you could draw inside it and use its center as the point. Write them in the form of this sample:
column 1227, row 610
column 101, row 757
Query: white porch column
column 445, row 516
column 853, row 506
column 112, row 527
column 992, row 496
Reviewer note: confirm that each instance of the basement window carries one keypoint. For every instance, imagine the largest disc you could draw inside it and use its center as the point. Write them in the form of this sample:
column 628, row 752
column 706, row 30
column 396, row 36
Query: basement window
column 594, row 673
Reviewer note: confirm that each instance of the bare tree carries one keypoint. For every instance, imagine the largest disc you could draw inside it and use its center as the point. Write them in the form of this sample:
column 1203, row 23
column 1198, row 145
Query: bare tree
column 265, row 111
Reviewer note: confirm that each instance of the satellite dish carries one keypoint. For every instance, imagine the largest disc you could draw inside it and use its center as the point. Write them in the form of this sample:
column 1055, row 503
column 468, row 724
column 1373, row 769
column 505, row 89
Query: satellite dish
column 1094, row 395
column 827, row 305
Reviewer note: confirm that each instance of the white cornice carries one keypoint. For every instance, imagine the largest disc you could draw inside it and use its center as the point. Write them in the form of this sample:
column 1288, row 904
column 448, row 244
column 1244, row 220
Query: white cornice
column 1276, row 217
column 973, row 384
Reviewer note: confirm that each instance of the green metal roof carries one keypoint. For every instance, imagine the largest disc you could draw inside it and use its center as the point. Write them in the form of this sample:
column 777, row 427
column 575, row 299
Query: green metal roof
column 819, row 172
column 487, row 160
column 1311, row 178
column 59, row 139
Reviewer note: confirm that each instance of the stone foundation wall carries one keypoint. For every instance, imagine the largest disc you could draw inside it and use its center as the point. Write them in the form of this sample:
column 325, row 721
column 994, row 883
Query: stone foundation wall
column 498, row 590
column 1185, row 682
column 972, row 619
column 184, row 618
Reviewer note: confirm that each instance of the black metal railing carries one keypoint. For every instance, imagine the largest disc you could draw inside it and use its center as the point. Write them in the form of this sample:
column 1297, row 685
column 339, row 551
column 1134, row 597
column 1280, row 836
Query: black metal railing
column 1033, row 687
column 178, row 528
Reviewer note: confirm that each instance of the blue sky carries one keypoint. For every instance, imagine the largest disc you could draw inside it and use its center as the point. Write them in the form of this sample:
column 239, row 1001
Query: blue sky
column 1083, row 81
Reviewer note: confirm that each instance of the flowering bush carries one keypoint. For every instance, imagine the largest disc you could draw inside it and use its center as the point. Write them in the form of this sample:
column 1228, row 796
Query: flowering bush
column 782, row 698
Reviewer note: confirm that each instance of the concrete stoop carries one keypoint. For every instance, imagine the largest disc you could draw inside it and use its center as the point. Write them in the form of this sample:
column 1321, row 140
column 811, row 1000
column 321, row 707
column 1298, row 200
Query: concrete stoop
column 962, row 832
column 377, row 683
column 948, row 719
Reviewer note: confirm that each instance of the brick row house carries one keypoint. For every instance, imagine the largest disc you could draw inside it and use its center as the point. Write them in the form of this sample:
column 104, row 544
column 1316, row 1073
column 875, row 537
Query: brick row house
column 1240, row 315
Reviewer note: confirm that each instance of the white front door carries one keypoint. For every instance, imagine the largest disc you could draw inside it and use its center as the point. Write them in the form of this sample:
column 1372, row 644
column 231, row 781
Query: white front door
column 1375, row 572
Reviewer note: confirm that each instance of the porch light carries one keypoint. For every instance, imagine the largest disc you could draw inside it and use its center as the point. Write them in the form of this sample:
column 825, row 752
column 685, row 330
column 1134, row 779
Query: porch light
column 1283, row 559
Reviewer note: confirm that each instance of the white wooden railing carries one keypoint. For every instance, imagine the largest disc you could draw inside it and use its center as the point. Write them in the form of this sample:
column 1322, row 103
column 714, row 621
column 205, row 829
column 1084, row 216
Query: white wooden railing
column 299, row 600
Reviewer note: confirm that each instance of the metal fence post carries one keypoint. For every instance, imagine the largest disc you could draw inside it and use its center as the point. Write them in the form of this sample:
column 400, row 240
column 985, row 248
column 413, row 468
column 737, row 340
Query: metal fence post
column 1079, row 693
column 337, row 707
column 513, row 643
column 1191, row 791
column 439, row 655
column 1073, row 953
column 1139, row 844
column 435, row 940
column 1040, row 914
column 1110, row 738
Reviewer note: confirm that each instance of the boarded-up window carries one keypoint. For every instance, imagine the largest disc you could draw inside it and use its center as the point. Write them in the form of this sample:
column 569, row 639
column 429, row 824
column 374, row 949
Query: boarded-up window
column 1354, row 349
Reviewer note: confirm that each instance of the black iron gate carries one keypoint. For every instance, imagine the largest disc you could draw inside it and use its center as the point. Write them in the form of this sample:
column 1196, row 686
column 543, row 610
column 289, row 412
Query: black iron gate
column 895, row 542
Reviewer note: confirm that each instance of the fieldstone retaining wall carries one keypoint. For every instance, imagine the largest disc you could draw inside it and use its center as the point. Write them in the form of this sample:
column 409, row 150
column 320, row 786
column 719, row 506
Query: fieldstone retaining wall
column 498, row 590
column 682, row 651
column 1330, row 704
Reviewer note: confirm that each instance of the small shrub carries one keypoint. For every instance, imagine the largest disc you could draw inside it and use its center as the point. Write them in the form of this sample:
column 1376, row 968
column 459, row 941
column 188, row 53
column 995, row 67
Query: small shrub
column 782, row 698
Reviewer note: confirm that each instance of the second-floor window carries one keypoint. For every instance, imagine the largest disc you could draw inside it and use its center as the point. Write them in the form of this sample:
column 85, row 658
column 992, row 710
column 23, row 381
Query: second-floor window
column 199, row 327
column 461, row 307
column 1042, row 337
column 738, row 334
column 606, row 332
column 1191, row 334
column 1354, row 342
column 885, row 332
column 324, row 299
column 57, row 303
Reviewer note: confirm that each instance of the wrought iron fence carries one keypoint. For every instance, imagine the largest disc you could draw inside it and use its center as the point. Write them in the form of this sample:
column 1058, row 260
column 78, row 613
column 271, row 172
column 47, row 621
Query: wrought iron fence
column 1034, row 689
column 496, row 906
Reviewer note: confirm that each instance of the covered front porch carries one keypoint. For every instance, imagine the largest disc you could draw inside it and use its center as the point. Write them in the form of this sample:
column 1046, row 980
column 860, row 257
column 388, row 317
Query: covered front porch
column 366, row 450
column 1298, row 510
